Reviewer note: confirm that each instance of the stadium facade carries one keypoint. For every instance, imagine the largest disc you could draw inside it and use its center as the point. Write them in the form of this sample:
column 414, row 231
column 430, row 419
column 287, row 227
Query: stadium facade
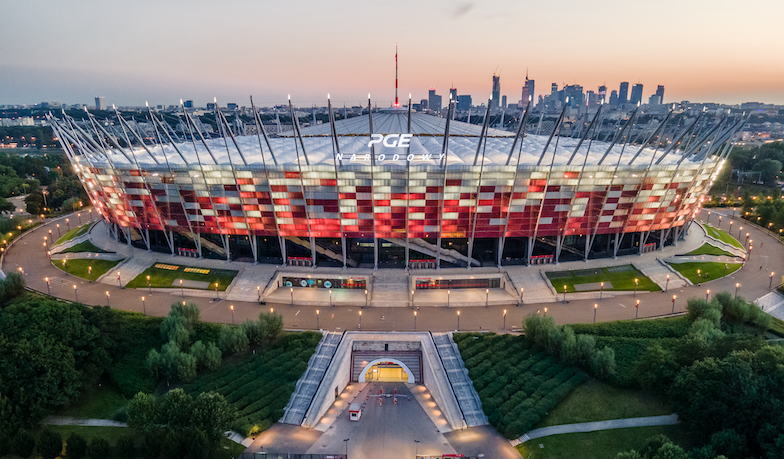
column 396, row 188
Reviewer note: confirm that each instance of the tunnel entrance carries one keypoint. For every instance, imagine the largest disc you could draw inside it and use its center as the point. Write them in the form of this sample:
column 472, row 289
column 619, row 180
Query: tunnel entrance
column 386, row 371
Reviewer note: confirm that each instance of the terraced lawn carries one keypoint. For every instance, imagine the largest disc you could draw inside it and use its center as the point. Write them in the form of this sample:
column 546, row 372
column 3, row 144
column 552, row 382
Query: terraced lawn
column 722, row 236
column 85, row 246
column 163, row 275
column 708, row 249
column 81, row 267
column 76, row 232
column 619, row 278
column 707, row 271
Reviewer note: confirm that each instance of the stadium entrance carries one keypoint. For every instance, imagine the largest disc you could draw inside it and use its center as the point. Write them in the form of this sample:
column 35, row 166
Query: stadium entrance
column 385, row 371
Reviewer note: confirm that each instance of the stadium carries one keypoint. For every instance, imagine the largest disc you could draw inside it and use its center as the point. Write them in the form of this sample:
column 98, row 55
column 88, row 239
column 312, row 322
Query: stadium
column 397, row 188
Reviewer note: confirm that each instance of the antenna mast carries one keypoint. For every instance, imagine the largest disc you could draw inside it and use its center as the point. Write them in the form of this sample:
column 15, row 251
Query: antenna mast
column 397, row 104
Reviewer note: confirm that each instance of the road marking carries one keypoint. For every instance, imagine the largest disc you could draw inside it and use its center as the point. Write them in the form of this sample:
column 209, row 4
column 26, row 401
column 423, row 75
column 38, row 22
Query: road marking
column 297, row 313
column 622, row 305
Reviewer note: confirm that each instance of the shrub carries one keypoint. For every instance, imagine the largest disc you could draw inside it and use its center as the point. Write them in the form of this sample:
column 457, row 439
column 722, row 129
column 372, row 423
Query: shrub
column 207, row 356
column 50, row 444
column 197, row 446
column 174, row 447
column 151, row 446
column 5, row 444
column 23, row 443
column 76, row 446
column 126, row 447
column 176, row 365
column 603, row 364
column 569, row 353
column 98, row 448
column 232, row 340
column 699, row 308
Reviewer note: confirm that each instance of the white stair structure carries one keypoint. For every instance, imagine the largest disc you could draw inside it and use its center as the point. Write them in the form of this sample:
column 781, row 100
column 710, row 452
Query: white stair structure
column 462, row 386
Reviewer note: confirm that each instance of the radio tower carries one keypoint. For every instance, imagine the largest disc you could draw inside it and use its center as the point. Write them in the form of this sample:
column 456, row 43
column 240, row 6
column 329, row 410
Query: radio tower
column 397, row 104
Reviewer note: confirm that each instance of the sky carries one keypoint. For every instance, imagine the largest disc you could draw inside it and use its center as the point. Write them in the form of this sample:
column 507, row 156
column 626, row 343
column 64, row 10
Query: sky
column 162, row 51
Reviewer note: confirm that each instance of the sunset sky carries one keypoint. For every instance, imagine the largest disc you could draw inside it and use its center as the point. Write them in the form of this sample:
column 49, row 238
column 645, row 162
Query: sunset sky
column 160, row 51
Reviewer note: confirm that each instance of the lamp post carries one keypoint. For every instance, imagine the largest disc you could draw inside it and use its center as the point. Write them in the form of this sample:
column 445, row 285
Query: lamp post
column 601, row 292
column 258, row 291
column 90, row 273
column 76, row 293
column 521, row 296
column 415, row 316
column 58, row 230
column 48, row 291
column 730, row 231
column 68, row 223
column 448, row 295
column 564, row 300
column 487, row 296
column 65, row 266
column 149, row 288
column 119, row 282
column 412, row 298
column 739, row 231
column 80, row 218
column 232, row 313
column 707, row 292
column 346, row 441
column 737, row 286
column 360, row 320
column 182, row 289
column 673, row 303
column 318, row 327
column 458, row 320
column 725, row 269
column 108, row 297
column 770, row 284
column 545, row 312
column 595, row 307
column 636, row 281
column 667, row 285
column 708, row 221
column 291, row 290
column 637, row 309
column 504, row 319
column 366, row 297
column 330, row 297
column 699, row 273
column 216, row 290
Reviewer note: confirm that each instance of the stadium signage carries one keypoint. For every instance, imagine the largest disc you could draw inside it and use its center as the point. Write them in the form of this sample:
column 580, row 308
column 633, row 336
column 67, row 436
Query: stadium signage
column 396, row 157
column 403, row 142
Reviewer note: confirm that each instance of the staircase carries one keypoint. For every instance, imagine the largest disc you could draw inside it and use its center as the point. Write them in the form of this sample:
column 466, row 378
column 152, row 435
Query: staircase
column 308, row 384
column 466, row 395
column 536, row 289
column 390, row 288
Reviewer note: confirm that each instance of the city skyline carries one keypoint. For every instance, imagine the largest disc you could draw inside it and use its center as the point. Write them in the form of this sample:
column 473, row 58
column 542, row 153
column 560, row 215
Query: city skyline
column 128, row 55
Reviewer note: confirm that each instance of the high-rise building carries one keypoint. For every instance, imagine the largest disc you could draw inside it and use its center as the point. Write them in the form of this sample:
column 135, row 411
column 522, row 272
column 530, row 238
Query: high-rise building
column 503, row 101
column 496, row 97
column 463, row 102
column 528, row 92
column 573, row 95
column 453, row 94
column 636, row 97
column 654, row 100
column 623, row 93
column 423, row 104
column 613, row 98
column 188, row 104
column 660, row 93
column 100, row 103
column 433, row 100
column 602, row 94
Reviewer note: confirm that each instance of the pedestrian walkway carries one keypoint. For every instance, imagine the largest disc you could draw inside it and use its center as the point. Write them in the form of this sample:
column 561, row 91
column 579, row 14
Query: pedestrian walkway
column 664, row 420
column 662, row 275
column 390, row 288
column 773, row 304
column 466, row 395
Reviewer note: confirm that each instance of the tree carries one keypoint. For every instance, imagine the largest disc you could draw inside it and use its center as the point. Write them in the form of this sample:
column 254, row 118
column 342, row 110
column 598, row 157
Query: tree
column 151, row 446
column 98, row 448
column 770, row 169
column 5, row 443
column 232, row 340
column 212, row 414
column 586, row 349
column 174, row 447
column 569, row 353
column 274, row 325
column 603, row 364
column 23, row 443
column 34, row 203
column 176, row 410
column 6, row 206
column 198, row 447
column 207, row 356
column 76, row 446
column 655, row 369
column 176, row 365
column 728, row 443
column 142, row 412
column 50, row 443
column 126, row 447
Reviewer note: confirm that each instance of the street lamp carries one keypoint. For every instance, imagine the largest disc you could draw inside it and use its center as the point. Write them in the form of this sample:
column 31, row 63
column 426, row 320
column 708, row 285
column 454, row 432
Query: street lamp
column 504, row 319
column 636, row 281
column 346, row 441
column 412, row 299
column 708, row 218
column 232, row 313
column 68, row 222
column 739, row 231
column 487, row 296
column 673, row 303
column 737, row 286
column 667, row 285
column 48, row 291
column 367, row 297
column 731, row 222
column 521, row 295
column 595, row 307
column 80, row 218
column 216, row 290
column 448, row 295
column 58, row 230
column 330, row 297
column 291, row 289
column 144, row 307
column 415, row 316
column 258, row 291
column 699, row 273
column 149, row 288
column 90, row 272
column 707, row 292
column 770, row 284
column 564, row 294
column 360, row 320
column 182, row 289
column 601, row 292
column 76, row 293
column 107, row 298
column 65, row 266
column 637, row 309
column 458, row 320
column 119, row 282
column 545, row 312
column 318, row 327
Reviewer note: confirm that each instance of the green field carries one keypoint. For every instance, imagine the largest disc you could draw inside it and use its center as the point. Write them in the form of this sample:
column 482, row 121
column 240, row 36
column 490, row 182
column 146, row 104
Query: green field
column 604, row 444
column 76, row 232
column 85, row 246
column 517, row 381
column 164, row 278
column 260, row 386
column 722, row 236
column 100, row 402
column 708, row 271
column 708, row 249
column 622, row 279
column 597, row 401
column 80, row 267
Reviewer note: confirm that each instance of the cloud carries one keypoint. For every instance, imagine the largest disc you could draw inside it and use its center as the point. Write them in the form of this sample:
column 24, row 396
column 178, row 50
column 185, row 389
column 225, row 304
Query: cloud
column 462, row 9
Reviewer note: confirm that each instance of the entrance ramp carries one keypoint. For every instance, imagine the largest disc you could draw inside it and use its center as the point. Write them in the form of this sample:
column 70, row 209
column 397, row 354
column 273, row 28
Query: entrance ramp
column 308, row 384
column 462, row 386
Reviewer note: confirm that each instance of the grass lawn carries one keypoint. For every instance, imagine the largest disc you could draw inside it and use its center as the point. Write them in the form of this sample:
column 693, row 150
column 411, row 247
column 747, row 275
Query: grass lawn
column 78, row 231
column 597, row 401
column 100, row 402
column 600, row 445
column 777, row 327
column 621, row 277
column 722, row 236
column 160, row 277
column 80, row 267
column 708, row 249
column 708, row 271
column 85, row 246
column 109, row 433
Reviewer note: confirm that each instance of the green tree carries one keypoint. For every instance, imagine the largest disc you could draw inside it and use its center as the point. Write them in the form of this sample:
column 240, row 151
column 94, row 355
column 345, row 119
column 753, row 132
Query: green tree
column 151, row 446
column 142, row 412
column 603, row 364
column 176, row 410
column 23, row 443
column 569, row 354
column 212, row 414
column 126, row 447
column 207, row 356
column 232, row 340
column 50, row 443
column 770, row 169
column 98, row 448
column 198, row 447
column 655, row 369
column 76, row 446
column 6, row 206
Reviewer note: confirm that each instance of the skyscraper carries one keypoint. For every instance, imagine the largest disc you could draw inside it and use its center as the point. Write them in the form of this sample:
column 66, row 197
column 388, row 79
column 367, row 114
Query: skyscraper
column 453, row 93
column 602, row 93
column 613, row 98
column 623, row 93
column 433, row 100
column 528, row 92
column 188, row 104
column 660, row 93
column 100, row 103
column 496, row 97
column 463, row 102
column 636, row 94
column 503, row 101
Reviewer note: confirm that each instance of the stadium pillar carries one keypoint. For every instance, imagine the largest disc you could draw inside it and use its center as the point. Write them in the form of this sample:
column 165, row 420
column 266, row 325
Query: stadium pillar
column 587, row 246
column 558, row 245
column 617, row 243
column 530, row 250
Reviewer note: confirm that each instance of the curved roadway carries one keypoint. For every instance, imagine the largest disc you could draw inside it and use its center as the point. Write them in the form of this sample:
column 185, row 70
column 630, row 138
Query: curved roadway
column 768, row 255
